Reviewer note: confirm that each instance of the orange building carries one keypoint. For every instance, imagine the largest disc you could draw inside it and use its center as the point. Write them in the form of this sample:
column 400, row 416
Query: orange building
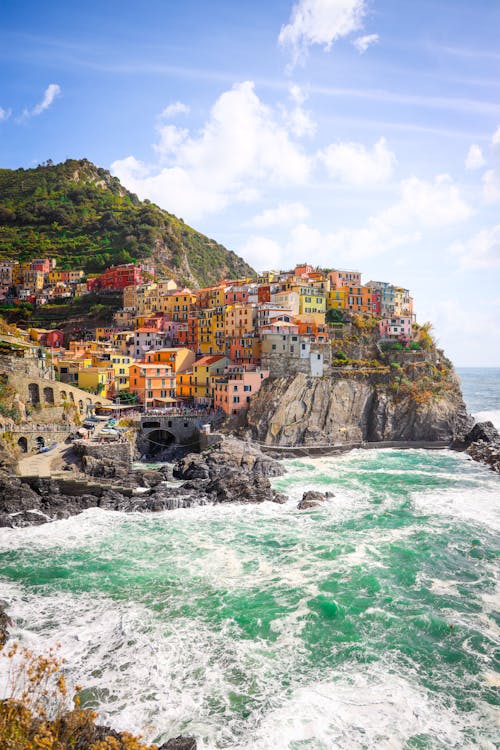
column 358, row 298
column 153, row 383
column 317, row 331
column 246, row 348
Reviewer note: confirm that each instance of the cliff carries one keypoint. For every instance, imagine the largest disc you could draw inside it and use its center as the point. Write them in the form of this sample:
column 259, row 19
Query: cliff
column 303, row 410
column 365, row 393
column 81, row 215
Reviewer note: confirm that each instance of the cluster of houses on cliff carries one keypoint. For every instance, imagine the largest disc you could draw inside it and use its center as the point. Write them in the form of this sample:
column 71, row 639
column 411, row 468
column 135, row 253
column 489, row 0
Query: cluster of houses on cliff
column 41, row 282
column 216, row 345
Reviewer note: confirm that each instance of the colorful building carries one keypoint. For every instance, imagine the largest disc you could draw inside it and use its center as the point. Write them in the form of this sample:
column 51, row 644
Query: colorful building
column 396, row 328
column 233, row 390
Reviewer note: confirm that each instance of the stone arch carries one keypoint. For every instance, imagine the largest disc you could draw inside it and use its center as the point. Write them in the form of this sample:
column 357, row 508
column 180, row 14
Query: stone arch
column 39, row 442
column 48, row 395
column 34, row 393
column 71, row 397
column 63, row 395
column 23, row 444
column 158, row 440
column 80, row 406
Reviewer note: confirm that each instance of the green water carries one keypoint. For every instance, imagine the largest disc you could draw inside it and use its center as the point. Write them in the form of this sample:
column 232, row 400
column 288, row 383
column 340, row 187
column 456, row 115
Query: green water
column 369, row 623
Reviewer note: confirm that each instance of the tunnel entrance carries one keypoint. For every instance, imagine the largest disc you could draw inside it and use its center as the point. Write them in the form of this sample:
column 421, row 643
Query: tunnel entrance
column 158, row 440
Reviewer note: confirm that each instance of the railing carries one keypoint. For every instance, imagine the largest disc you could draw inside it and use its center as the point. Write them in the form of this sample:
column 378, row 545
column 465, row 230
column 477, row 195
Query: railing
column 40, row 428
column 179, row 413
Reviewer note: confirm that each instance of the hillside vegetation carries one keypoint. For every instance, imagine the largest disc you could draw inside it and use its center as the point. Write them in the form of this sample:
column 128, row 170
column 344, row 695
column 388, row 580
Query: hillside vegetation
column 82, row 215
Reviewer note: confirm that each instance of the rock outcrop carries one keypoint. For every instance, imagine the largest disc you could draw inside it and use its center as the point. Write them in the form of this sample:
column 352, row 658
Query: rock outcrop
column 234, row 472
column 313, row 499
column 303, row 410
column 482, row 444
column 5, row 623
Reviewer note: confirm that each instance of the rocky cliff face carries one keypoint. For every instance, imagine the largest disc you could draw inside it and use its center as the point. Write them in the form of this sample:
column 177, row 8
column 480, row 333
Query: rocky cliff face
column 303, row 410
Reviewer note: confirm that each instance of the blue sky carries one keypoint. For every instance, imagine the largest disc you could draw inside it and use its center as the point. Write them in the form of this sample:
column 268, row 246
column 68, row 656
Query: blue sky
column 351, row 133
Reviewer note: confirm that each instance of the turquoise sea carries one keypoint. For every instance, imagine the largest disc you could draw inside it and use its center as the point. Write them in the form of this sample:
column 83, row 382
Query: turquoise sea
column 370, row 623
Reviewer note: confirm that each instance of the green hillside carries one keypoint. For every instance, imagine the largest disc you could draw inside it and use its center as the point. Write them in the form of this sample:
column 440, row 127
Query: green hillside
column 82, row 215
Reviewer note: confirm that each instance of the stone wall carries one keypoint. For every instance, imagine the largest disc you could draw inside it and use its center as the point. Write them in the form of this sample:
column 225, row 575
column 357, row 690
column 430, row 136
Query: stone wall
column 120, row 454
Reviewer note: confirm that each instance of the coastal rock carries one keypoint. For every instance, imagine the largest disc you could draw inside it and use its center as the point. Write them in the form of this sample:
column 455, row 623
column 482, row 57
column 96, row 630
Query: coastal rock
column 5, row 623
column 236, row 471
column 179, row 743
column 484, row 432
column 98, row 467
column 319, row 412
column 313, row 499
column 230, row 454
column 486, row 453
column 482, row 443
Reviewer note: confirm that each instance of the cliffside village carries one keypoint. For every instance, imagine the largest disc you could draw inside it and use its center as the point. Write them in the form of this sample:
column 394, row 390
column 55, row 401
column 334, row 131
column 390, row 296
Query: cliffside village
column 211, row 347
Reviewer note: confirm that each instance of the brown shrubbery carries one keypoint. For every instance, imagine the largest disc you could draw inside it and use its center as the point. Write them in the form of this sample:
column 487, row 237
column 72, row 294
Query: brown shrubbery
column 37, row 715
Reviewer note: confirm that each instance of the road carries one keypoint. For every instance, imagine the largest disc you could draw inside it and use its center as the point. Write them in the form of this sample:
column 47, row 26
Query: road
column 39, row 464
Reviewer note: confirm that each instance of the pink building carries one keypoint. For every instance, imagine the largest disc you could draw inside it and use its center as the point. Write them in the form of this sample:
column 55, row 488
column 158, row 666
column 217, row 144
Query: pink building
column 232, row 392
column 396, row 328
column 41, row 264
column 344, row 278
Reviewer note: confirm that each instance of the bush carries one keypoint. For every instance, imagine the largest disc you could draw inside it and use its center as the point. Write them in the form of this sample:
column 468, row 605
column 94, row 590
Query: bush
column 37, row 714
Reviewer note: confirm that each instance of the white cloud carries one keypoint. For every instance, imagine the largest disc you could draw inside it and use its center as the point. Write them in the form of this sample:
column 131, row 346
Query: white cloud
column 475, row 158
column 174, row 109
column 431, row 204
column 363, row 42
column 422, row 205
column 170, row 140
column 241, row 145
column 51, row 92
column 299, row 121
column 320, row 22
column 283, row 215
column 262, row 253
column 354, row 164
column 491, row 186
column 496, row 137
column 5, row 114
column 479, row 252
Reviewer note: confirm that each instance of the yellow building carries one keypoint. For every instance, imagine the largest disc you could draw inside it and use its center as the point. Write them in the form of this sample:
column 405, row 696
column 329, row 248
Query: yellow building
column 240, row 319
column 336, row 299
column 311, row 300
column 210, row 330
column 179, row 359
column 121, row 364
column 177, row 305
column 99, row 380
column 196, row 383
column 67, row 368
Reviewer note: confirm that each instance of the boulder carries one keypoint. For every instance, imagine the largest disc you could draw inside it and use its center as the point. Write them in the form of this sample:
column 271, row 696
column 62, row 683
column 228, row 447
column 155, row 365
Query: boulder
column 192, row 466
column 179, row 743
column 98, row 467
column 5, row 623
column 313, row 499
column 484, row 432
